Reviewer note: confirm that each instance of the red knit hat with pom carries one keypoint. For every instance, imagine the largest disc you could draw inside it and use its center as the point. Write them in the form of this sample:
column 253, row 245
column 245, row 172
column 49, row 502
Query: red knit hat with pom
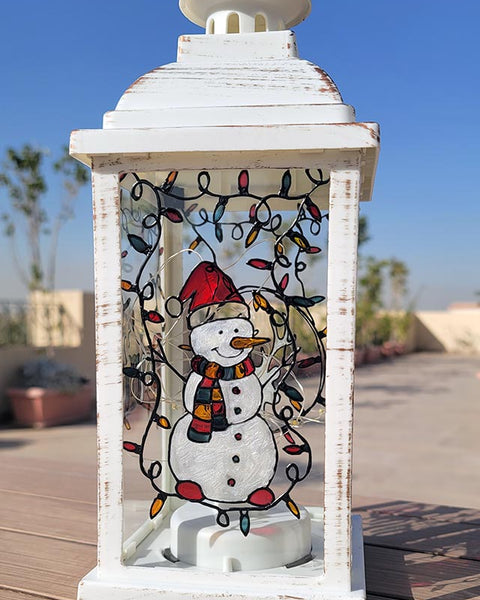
column 212, row 295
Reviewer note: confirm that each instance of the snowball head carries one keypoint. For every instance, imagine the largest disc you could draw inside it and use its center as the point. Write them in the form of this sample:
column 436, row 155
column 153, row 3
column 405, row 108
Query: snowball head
column 213, row 340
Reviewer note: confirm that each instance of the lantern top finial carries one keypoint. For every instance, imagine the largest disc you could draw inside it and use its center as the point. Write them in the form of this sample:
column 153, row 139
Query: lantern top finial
column 245, row 16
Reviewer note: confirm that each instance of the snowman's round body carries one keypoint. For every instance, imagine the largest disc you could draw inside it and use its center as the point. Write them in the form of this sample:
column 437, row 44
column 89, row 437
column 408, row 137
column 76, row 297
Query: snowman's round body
column 242, row 458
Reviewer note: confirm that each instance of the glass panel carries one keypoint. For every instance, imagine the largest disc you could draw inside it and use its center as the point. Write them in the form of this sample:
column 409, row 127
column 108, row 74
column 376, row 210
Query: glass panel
column 224, row 360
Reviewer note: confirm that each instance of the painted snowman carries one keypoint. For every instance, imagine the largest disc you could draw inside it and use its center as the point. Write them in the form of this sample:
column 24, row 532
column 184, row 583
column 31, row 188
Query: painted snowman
column 221, row 450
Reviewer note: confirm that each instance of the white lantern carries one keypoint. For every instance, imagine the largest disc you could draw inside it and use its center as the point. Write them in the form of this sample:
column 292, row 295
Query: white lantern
column 213, row 181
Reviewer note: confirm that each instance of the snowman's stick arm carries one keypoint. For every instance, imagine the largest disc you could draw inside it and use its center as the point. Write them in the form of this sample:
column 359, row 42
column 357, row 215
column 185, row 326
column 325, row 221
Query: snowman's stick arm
column 289, row 361
column 163, row 358
column 278, row 344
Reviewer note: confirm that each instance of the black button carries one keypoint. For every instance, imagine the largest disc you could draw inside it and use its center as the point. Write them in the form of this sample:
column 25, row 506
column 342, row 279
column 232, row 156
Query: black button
column 236, row 390
column 236, row 459
column 237, row 410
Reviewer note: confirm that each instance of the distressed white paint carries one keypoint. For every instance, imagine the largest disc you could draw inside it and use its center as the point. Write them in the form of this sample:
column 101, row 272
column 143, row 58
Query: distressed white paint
column 274, row 138
column 231, row 116
column 268, row 51
column 280, row 146
column 232, row 71
column 342, row 271
column 231, row 102
column 106, row 211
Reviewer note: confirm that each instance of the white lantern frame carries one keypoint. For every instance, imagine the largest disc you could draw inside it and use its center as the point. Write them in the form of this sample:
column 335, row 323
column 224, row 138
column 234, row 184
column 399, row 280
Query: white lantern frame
column 349, row 151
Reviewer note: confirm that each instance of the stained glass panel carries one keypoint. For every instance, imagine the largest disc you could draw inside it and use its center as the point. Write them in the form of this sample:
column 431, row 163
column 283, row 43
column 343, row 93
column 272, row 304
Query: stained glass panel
column 223, row 302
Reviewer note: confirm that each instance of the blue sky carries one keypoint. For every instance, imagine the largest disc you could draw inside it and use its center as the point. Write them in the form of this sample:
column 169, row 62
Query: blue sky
column 412, row 66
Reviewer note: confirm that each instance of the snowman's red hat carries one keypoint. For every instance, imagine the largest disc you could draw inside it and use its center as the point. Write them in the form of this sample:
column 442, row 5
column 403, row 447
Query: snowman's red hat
column 213, row 295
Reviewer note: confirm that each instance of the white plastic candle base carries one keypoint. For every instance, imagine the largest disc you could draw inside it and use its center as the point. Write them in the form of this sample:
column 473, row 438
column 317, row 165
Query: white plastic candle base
column 149, row 573
column 277, row 538
column 280, row 14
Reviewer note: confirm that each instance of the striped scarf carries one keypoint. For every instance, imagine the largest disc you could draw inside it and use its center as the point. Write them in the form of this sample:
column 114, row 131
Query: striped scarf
column 208, row 405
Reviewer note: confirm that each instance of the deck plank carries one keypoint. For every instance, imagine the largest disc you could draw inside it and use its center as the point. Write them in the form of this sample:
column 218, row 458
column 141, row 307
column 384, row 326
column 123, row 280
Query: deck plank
column 54, row 568
column 51, row 505
column 38, row 565
column 58, row 518
column 9, row 594
column 420, row 576
column 432, row 512
column 457, row 540
column 54, row 479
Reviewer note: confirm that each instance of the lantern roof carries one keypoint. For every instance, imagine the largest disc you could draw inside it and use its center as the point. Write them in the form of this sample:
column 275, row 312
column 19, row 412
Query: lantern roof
column 247, row 15
column 253, row 77
column 244, row 79
column 234, row 91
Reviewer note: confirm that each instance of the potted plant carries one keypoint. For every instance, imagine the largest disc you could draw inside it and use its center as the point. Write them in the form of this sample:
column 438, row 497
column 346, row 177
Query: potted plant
column 50, row 393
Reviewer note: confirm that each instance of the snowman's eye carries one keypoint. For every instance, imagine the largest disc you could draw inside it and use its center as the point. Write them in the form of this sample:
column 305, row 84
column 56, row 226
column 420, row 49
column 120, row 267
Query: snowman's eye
column 220, row 332
column 235, row 331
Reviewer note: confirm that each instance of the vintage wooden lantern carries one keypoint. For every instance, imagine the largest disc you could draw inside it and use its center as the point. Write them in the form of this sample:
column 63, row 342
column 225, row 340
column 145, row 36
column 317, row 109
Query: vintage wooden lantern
column 215, row 183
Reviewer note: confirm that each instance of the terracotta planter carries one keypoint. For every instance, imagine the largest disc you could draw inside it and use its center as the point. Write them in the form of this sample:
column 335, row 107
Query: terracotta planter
column 388, row 349
column 43, row 407
column 373, row 354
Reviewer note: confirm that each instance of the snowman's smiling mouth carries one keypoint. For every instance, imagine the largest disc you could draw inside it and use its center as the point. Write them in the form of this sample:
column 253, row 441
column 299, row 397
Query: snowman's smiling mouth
column 237, row 354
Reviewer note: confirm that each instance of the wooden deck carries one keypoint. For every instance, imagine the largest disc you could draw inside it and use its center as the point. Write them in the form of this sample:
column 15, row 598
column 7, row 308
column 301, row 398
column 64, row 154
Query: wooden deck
column 48, row 534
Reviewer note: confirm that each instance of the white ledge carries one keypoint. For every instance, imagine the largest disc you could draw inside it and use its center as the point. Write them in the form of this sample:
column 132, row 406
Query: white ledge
column 306, row 137
column 227, row 147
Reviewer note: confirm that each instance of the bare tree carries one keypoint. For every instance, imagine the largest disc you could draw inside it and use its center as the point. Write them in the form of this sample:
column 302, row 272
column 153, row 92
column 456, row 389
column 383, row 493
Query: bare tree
column 23, row 179
column 398, row 274
column 25, row 185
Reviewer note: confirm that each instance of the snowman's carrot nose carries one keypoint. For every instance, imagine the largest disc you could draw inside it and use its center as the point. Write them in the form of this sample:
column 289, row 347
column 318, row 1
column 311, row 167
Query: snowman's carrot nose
column 239, row 343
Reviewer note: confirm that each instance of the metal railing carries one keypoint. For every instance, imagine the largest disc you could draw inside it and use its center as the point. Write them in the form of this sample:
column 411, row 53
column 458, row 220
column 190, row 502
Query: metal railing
column 13, row 323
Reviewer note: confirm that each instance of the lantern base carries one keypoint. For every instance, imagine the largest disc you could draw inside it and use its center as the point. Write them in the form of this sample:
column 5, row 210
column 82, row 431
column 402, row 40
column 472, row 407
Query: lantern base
column 276, row 539
column 150, row 574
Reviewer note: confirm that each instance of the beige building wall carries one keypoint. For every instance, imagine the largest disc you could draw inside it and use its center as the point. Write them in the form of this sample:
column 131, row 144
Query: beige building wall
column 65, row 321
column 83, row 356
column 74, row 340
column 454, row 330
column 56, row 318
